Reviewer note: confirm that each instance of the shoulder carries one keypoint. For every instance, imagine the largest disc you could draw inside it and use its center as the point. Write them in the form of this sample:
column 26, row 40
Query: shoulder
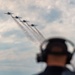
column 68, row 72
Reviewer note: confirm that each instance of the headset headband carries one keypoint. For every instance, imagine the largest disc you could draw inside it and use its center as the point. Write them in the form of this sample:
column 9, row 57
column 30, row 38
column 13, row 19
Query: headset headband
column 58, row 39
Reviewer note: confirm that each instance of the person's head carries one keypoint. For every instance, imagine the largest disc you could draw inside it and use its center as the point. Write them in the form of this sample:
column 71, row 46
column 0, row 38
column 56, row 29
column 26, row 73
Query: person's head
column 56, row 52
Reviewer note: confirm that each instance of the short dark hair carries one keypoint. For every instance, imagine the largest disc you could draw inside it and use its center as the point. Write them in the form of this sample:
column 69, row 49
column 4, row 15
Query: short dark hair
column 57, row 43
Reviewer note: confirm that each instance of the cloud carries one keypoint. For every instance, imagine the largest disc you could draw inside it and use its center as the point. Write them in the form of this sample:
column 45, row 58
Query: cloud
column 72, row 2
column 17, row 33
column 16, row 51
column 54, row 17
column 2, row 16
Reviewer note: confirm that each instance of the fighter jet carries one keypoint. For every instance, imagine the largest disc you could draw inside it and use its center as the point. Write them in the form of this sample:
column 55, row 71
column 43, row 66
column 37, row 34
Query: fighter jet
column 17, row 17
column 8, row 13
column 25, row 21
column 33, row 25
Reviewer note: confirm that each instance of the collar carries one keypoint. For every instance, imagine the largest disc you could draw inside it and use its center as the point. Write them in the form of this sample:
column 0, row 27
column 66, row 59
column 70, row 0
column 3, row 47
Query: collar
column 54, row 68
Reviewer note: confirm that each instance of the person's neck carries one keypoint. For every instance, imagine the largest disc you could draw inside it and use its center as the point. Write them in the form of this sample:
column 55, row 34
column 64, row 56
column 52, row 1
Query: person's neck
column 55, row 64
column 56, row 60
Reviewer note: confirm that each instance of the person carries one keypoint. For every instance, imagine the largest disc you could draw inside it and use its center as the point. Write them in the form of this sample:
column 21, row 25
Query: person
column 56, row 56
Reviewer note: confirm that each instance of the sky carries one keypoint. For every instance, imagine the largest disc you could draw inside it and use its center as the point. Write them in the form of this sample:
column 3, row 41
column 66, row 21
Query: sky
column 54, row 18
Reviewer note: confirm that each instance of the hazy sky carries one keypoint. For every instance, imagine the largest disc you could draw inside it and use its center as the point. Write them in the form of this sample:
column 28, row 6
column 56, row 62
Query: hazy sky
column 17, row 52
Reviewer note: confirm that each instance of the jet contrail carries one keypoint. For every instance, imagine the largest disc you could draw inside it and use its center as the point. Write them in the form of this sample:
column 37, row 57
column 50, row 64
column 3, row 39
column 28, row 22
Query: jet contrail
column 33, row 31
column 24, row 22
column 30, row 30
column 41, row 36
column 20, row 26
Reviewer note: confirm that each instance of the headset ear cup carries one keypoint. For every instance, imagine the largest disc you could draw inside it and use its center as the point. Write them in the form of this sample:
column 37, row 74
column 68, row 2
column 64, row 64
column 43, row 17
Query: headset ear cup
column 69, row 58
column 41, row 57
column 38, row 57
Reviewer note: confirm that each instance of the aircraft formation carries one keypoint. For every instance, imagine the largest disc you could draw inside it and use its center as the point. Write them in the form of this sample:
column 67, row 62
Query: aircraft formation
column 30, row 30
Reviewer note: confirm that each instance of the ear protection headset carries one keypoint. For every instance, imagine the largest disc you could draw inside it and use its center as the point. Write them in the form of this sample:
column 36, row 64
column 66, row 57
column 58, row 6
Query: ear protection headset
column 42, row 57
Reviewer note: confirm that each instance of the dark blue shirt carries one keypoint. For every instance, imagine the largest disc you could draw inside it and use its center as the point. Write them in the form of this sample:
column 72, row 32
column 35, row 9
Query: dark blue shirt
column 53, row 70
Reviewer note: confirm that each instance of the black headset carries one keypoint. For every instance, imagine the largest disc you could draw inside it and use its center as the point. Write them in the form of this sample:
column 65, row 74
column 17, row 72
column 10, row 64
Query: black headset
column 42, row 57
